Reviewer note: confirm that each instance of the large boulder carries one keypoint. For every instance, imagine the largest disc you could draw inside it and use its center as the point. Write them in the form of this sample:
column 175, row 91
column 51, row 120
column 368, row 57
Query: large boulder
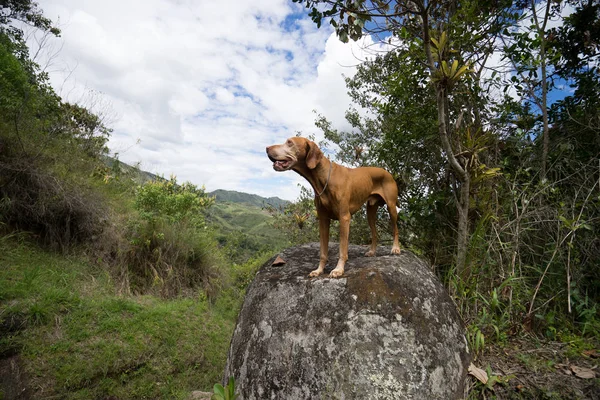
column 386, row 330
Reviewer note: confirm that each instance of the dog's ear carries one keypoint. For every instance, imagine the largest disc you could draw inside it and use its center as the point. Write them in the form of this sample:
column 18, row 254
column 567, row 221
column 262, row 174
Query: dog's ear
column 313, row 155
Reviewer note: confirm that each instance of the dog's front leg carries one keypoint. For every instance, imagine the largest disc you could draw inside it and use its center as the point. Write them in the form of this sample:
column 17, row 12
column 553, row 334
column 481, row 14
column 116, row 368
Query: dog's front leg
column 344, row 236
column 324, row 223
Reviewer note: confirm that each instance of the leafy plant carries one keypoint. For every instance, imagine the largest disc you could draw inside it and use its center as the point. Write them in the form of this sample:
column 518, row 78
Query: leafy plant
column 224, row 393
column 476, row 340
column 167, row 199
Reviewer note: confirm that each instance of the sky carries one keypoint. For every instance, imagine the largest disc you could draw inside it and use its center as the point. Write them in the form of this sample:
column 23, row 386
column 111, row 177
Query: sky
column 199, row 88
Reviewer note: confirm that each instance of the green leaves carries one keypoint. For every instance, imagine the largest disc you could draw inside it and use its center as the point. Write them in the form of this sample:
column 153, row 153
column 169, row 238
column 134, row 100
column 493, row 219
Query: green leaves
column 453, row 72
column 447, row 74
column 13, row 81
column 347, row 18
column 168, row 199
column 476, row 340
column 224, row 393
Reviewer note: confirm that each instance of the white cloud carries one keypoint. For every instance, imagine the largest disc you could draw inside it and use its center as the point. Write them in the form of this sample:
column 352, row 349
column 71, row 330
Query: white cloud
column 204, row 86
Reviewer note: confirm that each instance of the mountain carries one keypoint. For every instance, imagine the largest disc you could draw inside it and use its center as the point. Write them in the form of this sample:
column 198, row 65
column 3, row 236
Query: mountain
column 243, row 226
column 231, row 196
column 135, row 173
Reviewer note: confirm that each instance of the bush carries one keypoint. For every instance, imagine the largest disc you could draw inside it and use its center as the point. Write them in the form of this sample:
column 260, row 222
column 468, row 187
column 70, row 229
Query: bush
column 168, row 257
column 169, row 249
column 57, row 213
column 167, row 199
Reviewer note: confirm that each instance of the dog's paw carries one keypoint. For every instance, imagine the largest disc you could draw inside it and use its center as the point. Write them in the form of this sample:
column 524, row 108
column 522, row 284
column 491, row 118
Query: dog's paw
column 336, row 273
column 370, row 253
column 396, row 250
column 315, row 273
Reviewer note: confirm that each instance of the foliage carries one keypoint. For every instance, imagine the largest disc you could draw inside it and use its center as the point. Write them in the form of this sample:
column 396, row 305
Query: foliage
column 225, row 393
column 167, row 199
column 169, row 248
column 11, row 35
column 86, row 129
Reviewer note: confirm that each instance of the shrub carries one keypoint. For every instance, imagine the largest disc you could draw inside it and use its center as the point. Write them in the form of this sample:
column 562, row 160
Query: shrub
column 57, row 213
column 169, row 257
column 169, row 248
column 167, row 199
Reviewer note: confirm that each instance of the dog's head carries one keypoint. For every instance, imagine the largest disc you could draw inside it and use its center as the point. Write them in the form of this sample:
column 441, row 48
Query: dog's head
column 296, row 153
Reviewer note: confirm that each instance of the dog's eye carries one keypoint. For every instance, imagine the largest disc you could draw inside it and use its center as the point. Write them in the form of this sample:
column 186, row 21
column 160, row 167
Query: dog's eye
column 289, row 142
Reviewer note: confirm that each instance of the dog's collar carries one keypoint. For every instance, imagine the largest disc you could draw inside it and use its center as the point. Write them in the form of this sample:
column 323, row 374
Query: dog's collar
column 327, row 182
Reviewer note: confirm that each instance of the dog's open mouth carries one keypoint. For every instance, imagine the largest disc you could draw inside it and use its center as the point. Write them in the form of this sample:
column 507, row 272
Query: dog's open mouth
column 281, row 165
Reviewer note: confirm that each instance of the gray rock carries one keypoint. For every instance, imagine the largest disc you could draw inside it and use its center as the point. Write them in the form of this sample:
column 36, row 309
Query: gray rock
column 386, row 330
column 198, row 395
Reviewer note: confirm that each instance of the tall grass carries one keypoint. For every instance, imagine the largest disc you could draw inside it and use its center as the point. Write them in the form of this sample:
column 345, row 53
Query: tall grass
column 167, row 257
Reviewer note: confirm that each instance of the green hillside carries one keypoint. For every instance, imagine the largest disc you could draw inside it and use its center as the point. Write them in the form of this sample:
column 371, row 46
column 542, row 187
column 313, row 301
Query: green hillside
column 249, row 199
column 244, row 230
column 68, row 328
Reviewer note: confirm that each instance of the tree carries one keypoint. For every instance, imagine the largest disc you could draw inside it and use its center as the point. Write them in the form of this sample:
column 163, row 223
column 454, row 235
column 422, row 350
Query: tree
column 531, row 55
column 27, row 12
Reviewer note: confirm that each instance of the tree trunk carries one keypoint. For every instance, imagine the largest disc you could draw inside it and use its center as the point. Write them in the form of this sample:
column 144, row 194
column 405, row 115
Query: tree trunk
column 546, row 132
column 541, row 30
column 463, row 229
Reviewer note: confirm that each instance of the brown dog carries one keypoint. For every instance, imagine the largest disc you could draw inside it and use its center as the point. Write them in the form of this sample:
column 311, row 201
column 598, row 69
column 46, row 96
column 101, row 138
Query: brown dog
column 339, row 193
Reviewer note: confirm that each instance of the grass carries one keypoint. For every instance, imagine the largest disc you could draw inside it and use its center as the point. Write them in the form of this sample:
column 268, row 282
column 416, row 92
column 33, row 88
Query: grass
column 79, row 339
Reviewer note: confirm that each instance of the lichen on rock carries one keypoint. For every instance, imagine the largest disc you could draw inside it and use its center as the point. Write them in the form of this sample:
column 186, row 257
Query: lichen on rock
column 387, row 329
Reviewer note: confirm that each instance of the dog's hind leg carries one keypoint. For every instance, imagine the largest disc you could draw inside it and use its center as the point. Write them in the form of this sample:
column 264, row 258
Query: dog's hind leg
column 391, row 206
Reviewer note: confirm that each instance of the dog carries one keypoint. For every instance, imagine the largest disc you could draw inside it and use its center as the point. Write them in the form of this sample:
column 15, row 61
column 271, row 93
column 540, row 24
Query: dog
column 339, row 193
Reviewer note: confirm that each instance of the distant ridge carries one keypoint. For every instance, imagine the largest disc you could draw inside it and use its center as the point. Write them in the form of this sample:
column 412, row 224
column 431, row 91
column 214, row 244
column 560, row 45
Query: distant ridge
column 249, row 199
column 135, row 173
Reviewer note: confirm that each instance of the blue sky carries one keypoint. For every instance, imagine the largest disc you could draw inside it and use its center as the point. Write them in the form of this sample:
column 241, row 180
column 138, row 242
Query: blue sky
column 199, row 88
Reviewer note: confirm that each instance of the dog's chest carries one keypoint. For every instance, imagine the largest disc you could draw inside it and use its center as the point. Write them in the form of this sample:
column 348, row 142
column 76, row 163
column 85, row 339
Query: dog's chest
column 327, row 206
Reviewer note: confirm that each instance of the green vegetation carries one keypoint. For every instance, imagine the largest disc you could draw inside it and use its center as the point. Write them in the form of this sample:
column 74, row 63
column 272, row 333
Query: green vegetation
column 79, row 338
column 244, row 230
column 112, row 282
column 225, row 393
column 231, row 196
column 500, row 191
